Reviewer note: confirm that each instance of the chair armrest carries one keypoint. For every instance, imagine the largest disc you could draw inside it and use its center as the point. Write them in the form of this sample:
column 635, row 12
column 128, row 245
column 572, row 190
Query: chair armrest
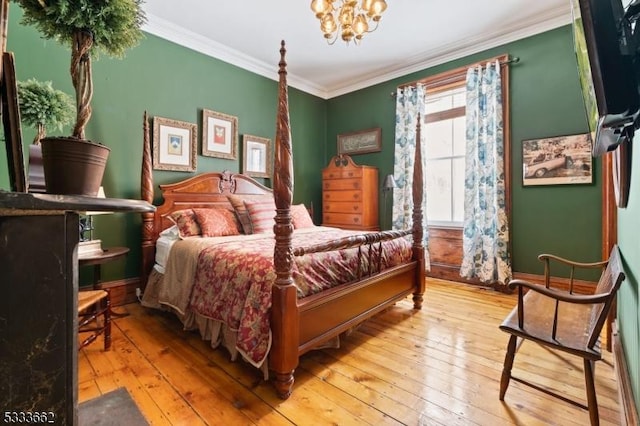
column 546, row 257
column 562, row 296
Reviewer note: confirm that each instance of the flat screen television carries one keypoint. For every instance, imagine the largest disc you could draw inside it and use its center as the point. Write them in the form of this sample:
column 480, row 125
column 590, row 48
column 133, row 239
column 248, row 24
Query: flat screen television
column 605, row 46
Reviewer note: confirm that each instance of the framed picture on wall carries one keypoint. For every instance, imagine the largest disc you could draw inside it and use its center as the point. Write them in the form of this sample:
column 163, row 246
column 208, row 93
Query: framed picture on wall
column 557, row 160
column 360, row 142
column 174, row 145
column 257, row 156
column 219, row 135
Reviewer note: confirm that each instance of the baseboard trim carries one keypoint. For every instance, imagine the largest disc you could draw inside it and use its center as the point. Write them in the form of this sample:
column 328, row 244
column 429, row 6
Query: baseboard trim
column 447, row 272
column 628, row 410
column 123, row 291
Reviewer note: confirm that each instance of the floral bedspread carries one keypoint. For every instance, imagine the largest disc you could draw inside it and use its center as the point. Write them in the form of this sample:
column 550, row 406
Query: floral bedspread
column 233, row 281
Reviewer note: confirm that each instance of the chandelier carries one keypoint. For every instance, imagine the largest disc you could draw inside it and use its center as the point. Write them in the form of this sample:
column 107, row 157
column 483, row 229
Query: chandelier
column 349, row 18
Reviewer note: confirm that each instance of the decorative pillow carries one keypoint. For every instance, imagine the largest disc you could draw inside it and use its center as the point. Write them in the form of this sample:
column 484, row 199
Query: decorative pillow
column 262, row 215
column 186, row 222
column 237, row 202
column 300, row 217
column 217, row 222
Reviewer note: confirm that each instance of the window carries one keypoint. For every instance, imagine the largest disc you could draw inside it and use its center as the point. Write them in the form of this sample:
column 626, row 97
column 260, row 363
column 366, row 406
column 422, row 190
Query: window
column 444, row 149
column 444, row 152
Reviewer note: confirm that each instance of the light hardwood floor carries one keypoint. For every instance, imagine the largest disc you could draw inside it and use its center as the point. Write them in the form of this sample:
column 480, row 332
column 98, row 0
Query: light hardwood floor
column 437, row 366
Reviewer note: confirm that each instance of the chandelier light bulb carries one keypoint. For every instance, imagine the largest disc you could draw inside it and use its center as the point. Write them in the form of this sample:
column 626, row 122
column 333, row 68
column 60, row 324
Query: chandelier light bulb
column 320, row 8
column 346, row 16
column 347, row 19
column 376, row 9
column 328, row 25
column 360, row 25
column 347, row 33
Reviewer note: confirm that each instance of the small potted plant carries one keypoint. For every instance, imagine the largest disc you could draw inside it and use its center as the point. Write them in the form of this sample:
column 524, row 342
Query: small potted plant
column 43, row 107
column 86, row 26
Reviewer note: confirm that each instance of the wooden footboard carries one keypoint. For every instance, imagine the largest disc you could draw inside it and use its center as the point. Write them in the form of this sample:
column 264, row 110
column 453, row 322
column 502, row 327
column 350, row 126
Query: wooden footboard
column 327, row 315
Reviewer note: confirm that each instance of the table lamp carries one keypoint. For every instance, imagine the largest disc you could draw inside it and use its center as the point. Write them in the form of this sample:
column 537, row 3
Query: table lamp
column 89, row 246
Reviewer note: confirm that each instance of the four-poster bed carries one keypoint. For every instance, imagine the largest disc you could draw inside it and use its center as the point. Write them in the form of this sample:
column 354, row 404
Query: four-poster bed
column 298, row 323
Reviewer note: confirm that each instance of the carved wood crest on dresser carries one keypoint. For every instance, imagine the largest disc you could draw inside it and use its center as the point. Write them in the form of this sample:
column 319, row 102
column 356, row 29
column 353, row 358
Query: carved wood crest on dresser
column 350, row 195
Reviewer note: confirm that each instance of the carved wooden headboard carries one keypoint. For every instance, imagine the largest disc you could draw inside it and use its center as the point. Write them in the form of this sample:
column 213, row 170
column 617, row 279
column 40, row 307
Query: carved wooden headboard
column 204, row 190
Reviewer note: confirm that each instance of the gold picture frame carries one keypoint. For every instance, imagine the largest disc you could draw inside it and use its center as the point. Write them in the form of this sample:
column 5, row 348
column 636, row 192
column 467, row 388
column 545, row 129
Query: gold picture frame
column 174, row 145
column 219, row 135
column 257, row 156
column 361, row 142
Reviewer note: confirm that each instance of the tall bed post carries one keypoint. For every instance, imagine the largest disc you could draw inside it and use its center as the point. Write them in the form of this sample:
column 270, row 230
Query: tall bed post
column 283, row 357
column 146, row 194
column 418, row 233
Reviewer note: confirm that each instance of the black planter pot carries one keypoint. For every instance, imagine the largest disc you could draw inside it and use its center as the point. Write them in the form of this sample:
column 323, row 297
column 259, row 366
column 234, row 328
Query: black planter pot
column 73, row 166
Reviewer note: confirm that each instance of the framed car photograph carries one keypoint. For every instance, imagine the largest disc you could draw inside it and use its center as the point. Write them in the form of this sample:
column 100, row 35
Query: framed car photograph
column 219, row 135
column 174, row 145
column 557, row 160
column 257, row 156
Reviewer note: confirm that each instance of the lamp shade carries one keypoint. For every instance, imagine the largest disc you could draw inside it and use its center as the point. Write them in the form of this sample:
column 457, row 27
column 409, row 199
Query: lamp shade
column 389, row 182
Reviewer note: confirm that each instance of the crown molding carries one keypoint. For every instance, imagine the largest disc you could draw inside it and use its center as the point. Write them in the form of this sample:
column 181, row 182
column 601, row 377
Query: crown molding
column 554, row 19
column 164, row 29
column 191, row 40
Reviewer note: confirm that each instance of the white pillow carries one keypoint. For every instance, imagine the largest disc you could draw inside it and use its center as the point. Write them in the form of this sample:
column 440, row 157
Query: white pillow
column 172, row 233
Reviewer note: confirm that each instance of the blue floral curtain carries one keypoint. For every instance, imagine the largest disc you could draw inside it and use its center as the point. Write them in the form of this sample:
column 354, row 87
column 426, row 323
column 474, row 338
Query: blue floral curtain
column 409, row 108
column 485, row 232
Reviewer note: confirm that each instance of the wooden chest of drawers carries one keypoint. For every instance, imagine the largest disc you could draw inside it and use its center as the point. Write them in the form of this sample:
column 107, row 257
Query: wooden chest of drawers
column 350, row 195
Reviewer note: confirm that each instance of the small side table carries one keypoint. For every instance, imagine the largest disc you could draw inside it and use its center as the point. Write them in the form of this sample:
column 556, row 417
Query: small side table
column 97, row 260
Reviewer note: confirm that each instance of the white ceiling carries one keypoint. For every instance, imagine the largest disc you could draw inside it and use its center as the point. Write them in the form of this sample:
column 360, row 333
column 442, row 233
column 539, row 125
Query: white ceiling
column 413, row 35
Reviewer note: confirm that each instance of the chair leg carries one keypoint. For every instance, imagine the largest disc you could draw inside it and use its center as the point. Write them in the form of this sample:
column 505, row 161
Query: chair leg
column 107, row 323
column 592, row 402
column 508, row 364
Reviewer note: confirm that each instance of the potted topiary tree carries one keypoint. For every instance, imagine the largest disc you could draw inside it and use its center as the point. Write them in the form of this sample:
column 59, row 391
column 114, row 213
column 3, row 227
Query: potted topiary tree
column 42, row 107
column 84, row 25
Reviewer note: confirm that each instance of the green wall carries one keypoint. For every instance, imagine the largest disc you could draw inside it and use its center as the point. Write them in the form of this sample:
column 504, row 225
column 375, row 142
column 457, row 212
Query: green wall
column 169, row 81
column 628, row 296
column 545, row 101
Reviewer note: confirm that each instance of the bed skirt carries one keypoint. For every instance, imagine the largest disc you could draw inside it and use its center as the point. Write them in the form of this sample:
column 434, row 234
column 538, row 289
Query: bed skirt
column 216, row 332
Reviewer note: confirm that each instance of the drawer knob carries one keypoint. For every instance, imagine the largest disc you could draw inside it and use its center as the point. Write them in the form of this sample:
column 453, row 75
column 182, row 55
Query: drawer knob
column 356, row 219
column 356, row 185
column 350, row 174
column 356, row 196
column 356, row 207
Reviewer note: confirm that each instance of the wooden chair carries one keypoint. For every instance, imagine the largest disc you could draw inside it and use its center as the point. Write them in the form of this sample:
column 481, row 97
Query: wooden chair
column 92, row 304
column 563, row 321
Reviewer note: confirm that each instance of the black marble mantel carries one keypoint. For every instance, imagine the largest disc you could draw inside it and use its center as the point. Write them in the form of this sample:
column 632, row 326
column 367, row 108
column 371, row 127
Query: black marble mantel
column 38, row 301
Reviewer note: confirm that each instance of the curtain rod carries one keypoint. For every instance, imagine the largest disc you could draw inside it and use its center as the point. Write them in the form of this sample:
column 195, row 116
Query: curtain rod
column 510, row 61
